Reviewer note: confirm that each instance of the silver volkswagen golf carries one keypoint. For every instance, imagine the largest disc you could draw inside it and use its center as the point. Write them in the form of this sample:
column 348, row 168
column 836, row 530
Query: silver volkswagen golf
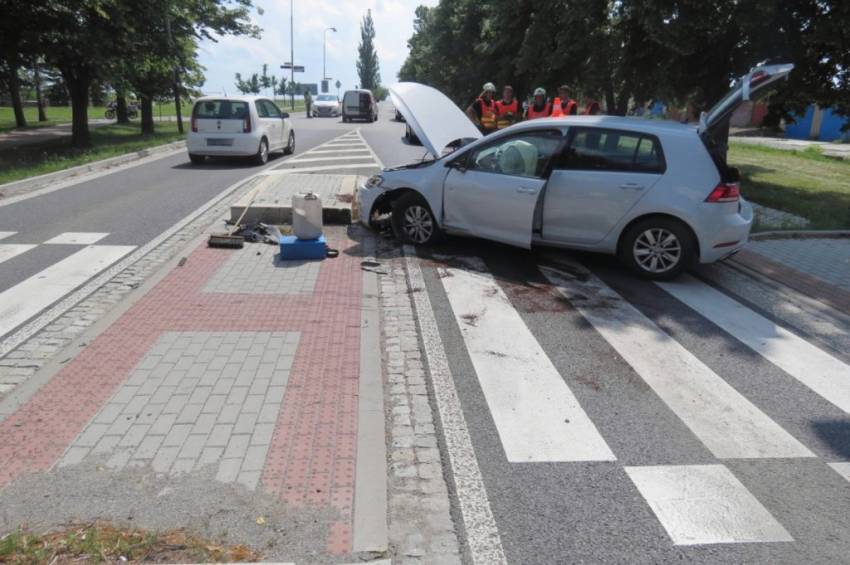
column 657, row 194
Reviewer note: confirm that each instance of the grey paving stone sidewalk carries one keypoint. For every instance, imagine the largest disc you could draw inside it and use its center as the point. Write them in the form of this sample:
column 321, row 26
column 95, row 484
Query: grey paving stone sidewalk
column 826, row 259
column 195, row 399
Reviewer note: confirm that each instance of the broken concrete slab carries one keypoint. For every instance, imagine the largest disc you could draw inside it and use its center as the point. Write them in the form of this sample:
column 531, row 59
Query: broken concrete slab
column 273, row 202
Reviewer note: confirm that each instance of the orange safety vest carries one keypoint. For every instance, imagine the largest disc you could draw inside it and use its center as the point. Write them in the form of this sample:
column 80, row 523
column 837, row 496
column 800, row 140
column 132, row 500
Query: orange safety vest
column 502, row 109
column 533, row 114
column 558, row 111
column 488, row 114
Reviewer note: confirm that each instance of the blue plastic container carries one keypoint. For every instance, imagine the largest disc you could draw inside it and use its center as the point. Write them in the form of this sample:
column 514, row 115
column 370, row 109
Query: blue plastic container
column 293, row 248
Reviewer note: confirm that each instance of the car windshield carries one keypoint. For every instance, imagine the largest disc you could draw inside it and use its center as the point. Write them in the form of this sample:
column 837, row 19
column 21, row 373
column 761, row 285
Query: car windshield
column 326, row 98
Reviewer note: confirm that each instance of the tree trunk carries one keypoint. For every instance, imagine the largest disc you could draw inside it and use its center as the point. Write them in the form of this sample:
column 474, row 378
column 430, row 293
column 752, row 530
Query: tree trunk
column 147, row 115
column 42, row 116
column 78, row 87
column 121, row 107
column 177, row 109
column 15, row 94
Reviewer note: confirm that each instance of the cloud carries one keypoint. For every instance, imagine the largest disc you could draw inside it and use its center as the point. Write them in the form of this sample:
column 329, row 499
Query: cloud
column 393, row 27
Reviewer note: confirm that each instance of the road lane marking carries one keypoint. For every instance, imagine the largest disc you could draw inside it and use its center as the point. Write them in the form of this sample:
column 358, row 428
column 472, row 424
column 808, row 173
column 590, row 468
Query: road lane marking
column 815, row 368
column 29, row 297
column 842, row 468
column 728, row 424
column 482, row 536
column 5, row 234
column 76, row 238
column 705, row 504
column 9, row 250
column 536, row 414
column 294, row 170
column 326, row 159
column 320, row 151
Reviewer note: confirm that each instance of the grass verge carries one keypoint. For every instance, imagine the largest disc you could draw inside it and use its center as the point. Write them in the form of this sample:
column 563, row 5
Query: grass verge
column 108, row 141
column 62, row 114
column 99, row 543
column 806, row 183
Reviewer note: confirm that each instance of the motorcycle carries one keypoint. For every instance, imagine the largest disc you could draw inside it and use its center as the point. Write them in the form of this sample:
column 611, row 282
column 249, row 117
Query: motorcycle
column 112, row 108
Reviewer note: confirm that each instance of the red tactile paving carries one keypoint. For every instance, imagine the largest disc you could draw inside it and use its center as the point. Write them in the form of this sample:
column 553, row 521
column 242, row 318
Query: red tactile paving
column 312, row 456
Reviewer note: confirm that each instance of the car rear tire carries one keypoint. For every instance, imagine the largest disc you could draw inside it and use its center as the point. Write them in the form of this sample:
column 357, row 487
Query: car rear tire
column 658, row 248
column 413, row 221
column 197, row 159
column 262, row 156
column 290, row 145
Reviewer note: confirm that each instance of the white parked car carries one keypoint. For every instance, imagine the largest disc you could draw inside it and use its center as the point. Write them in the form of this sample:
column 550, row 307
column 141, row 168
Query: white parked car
column 238, row 126
column 326, row 105
column 657, row 194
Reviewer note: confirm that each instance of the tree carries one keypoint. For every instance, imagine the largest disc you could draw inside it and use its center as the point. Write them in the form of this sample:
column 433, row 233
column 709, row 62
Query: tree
column 17, row 44
column 250, row 86
column 367, row 61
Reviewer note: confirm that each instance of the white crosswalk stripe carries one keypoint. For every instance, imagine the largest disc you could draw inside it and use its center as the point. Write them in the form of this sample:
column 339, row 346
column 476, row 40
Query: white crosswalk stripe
column 9, row 250
column 728, row 424
column 537, row 416
column 705, row 504
column 810, row 365
column 5, row 234
column 27, row 298
column 76, row 238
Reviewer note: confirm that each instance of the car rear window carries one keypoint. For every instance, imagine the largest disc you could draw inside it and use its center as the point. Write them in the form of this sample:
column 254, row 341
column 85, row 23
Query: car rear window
column 599, row 149
column 221, row 110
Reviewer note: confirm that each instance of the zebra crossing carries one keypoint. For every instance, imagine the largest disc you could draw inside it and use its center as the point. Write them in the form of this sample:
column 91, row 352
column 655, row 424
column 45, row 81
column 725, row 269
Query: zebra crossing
column 542, row 415
column 23, row 300
column 348, row 152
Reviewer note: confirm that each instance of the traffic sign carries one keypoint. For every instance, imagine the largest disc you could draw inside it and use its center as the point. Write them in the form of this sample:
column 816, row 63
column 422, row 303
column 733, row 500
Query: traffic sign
column 297, row 68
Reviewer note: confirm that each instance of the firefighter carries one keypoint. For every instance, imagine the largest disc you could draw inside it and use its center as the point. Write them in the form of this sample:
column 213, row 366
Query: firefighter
column 539, row 107
column 507, row 109
column 482, row 111
column 563, row 105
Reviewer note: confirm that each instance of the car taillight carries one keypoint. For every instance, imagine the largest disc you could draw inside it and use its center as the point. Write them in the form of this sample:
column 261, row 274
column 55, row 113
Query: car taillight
column 725, row 192
column 194, row 123
column 246, row 125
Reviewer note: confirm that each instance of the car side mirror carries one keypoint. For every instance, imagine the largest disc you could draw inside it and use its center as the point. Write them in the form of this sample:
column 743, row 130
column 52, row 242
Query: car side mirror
column 458, row 164
column 284, row 115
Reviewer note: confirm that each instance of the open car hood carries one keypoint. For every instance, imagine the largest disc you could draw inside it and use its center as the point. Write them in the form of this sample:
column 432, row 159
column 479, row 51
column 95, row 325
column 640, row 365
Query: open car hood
column 435, row 119
column 748, row 87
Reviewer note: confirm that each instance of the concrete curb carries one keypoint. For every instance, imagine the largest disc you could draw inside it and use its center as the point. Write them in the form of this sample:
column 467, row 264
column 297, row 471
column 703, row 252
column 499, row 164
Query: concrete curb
column 800, row 234
column 34, row 183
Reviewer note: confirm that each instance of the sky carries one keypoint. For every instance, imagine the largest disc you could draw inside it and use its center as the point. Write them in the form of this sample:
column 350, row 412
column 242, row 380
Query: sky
column 231, row 55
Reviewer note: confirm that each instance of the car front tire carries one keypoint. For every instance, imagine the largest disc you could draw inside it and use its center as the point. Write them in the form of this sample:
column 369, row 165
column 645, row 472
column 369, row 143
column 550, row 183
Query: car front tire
column 290, row 145
column 658, row 248
column 413, row 221
column 262, row 156
column 197, row 159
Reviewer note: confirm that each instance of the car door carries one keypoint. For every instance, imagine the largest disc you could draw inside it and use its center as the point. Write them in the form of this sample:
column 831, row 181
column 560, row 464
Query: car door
column 598, row 177
column 280, row 124
column 491, row 190
column 275, row 124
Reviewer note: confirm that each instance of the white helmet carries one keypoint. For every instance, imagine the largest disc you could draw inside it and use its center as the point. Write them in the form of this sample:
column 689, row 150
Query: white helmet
column 489, row 87
column 539, row 91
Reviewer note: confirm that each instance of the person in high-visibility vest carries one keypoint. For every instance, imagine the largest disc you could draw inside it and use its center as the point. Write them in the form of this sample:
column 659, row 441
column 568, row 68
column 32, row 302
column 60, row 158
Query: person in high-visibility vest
column 539, row 107
column 591, row 108
column 563, row 105
column 507, row 109
column 482, row 111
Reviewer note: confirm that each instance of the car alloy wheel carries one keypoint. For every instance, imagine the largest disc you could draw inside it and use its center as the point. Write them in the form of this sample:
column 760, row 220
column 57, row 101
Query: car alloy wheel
column 657, row 250
column 417, row 224
column 263, row 153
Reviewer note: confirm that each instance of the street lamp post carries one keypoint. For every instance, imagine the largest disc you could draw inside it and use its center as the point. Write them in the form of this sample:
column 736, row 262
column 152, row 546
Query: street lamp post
column 324, row 52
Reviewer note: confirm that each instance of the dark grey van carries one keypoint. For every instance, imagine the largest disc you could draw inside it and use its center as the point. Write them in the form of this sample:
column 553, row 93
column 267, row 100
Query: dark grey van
column 359, row 105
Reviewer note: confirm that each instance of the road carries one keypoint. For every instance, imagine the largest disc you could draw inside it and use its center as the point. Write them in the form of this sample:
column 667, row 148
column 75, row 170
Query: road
column 610, row 419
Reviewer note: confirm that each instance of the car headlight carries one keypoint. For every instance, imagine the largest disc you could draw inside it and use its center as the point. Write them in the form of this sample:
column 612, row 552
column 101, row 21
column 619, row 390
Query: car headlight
column 374, row 181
